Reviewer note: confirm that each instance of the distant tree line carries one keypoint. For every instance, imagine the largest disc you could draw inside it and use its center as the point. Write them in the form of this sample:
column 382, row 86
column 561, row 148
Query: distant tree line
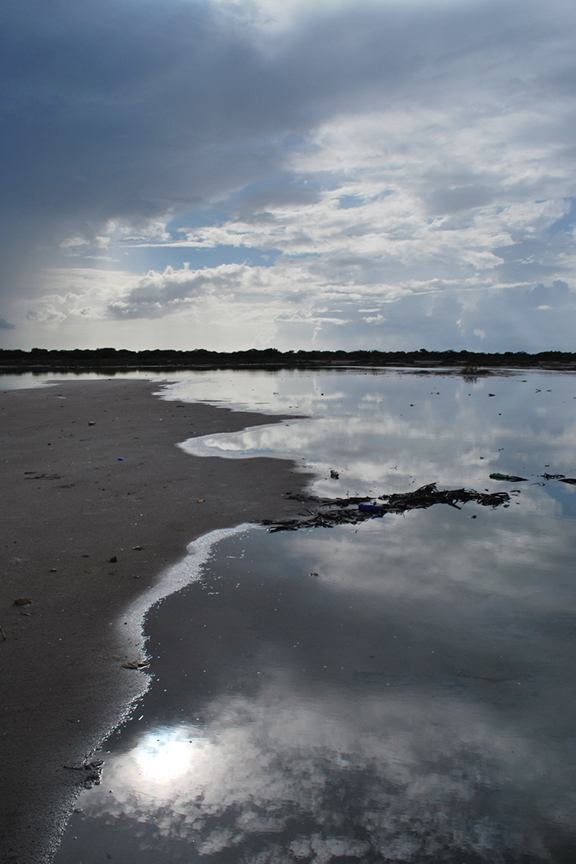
column 41, row 359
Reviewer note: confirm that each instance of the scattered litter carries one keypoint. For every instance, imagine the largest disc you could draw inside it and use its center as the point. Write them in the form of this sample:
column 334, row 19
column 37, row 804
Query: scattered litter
column 137, row 548
column 53, row 570
column 334, row 475
column 510, row 477
column 3, row 634
column 119, row 458
column 91, row 422
column 113, row 560
column 134, row 665
column 200, row 500
column 560, row 477
column 23, row 601
column 491, row 394
column 344, row 511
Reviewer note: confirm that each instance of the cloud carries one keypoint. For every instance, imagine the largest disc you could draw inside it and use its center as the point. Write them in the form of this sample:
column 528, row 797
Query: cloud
column 5, row 325
column 390, row 144
column 302, row 301
column 159, row 294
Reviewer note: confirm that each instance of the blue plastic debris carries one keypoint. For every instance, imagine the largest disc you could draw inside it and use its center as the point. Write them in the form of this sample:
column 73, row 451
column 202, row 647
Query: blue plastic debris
column 372, row 508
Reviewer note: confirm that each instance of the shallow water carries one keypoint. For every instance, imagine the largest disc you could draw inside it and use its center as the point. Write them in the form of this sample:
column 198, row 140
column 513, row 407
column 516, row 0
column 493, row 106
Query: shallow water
column 29, row 380
column 389, row 431
column 395, row 691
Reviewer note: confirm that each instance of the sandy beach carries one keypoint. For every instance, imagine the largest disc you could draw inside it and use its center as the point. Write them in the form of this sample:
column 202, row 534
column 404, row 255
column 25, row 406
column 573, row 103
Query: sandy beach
column 97, row 500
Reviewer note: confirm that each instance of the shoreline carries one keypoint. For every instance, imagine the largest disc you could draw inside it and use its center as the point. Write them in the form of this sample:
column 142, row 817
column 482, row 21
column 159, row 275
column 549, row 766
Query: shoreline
column 99, row 501
column 482, row 370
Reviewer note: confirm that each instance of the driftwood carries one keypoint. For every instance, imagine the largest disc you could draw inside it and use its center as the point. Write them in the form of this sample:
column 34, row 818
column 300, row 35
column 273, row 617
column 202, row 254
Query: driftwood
column 328, row 512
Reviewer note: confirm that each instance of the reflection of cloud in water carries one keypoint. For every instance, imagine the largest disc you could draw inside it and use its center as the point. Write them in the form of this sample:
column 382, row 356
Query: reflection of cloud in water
column 408, row 704
column 501, row 554
column 453, row 741
column 406, row 778
column 378, row 440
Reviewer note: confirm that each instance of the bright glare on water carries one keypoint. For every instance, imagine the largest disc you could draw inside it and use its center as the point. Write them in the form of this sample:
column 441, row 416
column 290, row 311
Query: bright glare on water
column 395, row 691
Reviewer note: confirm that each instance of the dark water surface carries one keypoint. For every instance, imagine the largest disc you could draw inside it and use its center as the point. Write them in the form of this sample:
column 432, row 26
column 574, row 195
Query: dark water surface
column 397, row 691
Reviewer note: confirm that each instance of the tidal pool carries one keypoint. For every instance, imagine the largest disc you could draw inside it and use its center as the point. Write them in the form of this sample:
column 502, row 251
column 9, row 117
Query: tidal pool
column 395, row 691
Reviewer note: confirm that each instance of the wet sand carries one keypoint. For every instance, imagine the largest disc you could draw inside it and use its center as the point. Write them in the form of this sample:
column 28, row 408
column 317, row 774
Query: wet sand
column 69, row 507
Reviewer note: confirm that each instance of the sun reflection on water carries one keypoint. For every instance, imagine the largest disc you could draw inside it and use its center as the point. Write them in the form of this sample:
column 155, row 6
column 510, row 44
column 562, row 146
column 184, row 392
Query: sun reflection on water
column 168, row 753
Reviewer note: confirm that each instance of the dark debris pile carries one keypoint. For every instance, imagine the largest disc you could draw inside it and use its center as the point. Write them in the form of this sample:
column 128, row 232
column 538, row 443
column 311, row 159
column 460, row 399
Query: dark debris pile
column 328, row 512
column 90, row 773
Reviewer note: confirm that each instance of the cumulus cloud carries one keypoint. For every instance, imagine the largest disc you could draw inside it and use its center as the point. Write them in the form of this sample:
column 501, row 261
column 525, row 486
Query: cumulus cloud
column 159, row 294
column 302, row 302
column 384, row 149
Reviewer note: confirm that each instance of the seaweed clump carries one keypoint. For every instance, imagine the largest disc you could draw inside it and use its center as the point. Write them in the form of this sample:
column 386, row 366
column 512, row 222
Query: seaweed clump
column 328, row 512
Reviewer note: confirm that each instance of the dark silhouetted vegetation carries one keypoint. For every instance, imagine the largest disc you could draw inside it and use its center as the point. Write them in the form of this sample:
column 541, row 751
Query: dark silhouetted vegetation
column 112, row 359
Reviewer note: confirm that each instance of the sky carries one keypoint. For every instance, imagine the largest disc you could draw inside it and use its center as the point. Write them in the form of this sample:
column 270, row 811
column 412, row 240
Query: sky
column 392, row 175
